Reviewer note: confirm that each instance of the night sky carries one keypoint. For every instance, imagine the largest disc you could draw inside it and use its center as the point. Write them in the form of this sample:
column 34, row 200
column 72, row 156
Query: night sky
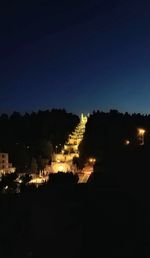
column 77, row 55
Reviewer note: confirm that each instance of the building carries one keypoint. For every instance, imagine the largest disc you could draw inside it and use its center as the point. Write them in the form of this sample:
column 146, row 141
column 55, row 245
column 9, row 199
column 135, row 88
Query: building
column 5, row 166
column 63, row 161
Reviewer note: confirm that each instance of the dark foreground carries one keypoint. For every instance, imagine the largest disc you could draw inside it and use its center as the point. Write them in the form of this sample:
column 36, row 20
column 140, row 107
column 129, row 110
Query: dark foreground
column 74, row 221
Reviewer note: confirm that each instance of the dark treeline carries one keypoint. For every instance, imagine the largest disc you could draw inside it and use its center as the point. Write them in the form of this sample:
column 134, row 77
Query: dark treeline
column 107, row 132
column 30, row 139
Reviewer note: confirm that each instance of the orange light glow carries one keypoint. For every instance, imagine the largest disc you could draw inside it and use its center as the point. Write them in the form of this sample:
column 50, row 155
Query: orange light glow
column 92, row 160
column 141, row 131
column 127, row 142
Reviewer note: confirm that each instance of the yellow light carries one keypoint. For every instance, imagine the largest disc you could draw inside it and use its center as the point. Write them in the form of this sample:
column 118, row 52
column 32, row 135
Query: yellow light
column 37, row 180
column 141, row 131
column 92, row 160
column 61, row 168
column 127, row 142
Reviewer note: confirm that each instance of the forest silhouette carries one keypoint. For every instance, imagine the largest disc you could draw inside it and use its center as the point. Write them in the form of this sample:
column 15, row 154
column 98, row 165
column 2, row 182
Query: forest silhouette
column 106, row 217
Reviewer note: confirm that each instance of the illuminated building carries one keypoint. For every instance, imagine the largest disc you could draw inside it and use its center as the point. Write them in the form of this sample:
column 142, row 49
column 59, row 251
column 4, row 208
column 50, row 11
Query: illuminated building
column 5, row 166
column 63, row 161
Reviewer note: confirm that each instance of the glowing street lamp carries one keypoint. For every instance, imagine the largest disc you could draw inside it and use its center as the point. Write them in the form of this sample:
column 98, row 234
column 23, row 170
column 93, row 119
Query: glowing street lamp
column 92, row 160
column 141, row 133
column 127, row 142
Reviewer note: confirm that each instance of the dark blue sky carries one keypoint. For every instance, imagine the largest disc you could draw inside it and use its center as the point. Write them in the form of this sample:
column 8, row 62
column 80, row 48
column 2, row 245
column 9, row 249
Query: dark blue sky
column 78, row 55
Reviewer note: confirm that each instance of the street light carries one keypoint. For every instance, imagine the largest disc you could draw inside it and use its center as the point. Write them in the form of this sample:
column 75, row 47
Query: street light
column 141, row 133
column 92, row 160
column 127, row 142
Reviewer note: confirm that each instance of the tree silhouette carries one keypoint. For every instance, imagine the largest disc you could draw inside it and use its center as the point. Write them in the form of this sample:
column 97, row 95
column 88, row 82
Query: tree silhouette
column 34, row 166
column 63, row 178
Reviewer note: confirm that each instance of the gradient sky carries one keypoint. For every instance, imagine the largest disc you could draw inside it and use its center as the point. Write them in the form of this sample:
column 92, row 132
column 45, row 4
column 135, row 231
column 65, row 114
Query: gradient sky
column 78, row 55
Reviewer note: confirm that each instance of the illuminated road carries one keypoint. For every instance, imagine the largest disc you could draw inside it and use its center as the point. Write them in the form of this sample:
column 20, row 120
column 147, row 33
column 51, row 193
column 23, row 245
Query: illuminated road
column 86, row 172
column 83, row 178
